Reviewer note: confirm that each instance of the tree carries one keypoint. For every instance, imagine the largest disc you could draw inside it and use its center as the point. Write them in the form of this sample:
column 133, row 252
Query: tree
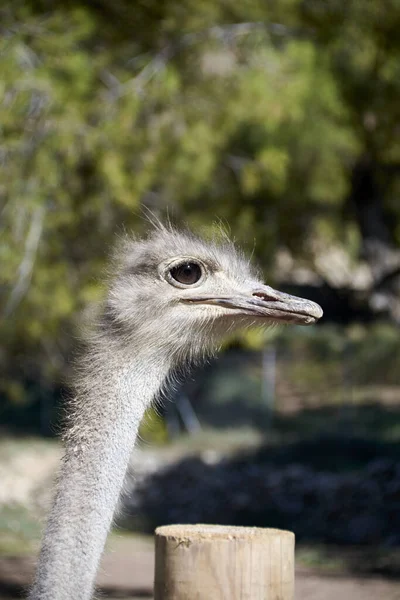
column 279, row 119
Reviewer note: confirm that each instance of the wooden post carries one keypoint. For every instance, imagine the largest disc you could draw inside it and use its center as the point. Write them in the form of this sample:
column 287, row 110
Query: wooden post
column 216, row 562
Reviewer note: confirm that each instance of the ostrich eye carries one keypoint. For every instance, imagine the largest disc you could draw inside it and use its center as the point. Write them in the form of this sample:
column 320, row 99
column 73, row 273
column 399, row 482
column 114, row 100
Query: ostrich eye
column 187, row 273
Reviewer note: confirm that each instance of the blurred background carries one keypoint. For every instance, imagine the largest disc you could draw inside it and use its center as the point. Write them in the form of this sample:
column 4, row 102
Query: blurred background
column 280, row 120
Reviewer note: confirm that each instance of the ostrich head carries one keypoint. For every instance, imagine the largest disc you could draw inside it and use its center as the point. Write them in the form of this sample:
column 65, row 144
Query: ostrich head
column 176, row 292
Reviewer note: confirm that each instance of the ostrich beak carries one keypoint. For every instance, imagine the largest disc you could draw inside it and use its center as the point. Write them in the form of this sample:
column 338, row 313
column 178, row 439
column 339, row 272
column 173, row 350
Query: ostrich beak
column 285, row 308
column 269, row 304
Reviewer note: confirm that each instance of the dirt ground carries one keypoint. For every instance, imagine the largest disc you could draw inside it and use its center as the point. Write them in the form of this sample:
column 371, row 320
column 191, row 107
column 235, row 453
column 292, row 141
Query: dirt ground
column 128, row 563
column 127, row 573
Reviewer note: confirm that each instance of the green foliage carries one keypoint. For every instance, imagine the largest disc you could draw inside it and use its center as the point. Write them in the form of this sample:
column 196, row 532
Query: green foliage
column 250, row 112
column 153, row 428
column 329, row 364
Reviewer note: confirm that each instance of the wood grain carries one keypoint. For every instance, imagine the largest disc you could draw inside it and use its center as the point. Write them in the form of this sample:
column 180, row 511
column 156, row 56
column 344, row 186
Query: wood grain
column 214, row 562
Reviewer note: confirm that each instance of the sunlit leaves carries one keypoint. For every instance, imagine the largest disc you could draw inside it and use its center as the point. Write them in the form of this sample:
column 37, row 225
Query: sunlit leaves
column 251, row 112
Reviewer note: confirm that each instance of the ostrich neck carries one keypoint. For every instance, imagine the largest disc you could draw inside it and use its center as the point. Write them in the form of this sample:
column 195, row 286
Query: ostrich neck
column 110, row 404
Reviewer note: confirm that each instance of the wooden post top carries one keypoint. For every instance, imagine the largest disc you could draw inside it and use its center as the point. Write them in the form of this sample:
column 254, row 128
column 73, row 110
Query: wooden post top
column 202, row 531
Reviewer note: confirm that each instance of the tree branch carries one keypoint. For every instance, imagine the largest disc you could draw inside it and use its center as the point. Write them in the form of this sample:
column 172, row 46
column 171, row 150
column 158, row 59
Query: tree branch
column 25, row 269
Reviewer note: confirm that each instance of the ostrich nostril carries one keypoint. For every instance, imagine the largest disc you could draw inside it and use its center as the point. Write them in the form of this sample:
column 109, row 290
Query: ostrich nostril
column 266, row 297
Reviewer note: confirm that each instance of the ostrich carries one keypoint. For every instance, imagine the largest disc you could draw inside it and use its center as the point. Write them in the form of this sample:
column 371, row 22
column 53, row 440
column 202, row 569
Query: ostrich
column 171, row 299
